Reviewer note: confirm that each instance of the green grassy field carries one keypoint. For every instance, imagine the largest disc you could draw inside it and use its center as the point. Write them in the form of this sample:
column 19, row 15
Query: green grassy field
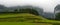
column 22, row 23
column 25, row 16
column 15, row 23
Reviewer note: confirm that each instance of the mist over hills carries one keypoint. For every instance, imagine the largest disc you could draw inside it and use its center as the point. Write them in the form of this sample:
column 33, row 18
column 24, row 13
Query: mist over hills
column 38, row 9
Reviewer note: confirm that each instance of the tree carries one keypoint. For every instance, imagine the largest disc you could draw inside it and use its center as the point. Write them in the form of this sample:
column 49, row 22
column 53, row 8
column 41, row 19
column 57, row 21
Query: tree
column 15, row 10
column 32, row 10
column 58, row 16
column 28, row 10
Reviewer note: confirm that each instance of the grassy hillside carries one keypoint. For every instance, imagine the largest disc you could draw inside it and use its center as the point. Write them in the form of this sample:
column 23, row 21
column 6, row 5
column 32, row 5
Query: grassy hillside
column 19, row 16
column 25, row 19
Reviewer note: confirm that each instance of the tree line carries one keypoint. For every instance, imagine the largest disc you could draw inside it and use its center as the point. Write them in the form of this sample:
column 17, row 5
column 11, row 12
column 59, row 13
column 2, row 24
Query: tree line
column 21, row 9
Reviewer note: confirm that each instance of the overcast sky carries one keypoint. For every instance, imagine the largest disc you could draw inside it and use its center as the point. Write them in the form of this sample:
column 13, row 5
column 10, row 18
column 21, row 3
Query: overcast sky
column 48, row 5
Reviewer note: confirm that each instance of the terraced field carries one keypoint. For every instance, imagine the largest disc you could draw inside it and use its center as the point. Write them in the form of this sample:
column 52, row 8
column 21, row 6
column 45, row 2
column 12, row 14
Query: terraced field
column 25, row 19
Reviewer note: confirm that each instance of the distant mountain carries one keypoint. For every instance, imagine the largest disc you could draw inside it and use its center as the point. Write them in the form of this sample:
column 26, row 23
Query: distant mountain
column 48, row 15
column 57, row 11
column 2, row 8
column 18, row 8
